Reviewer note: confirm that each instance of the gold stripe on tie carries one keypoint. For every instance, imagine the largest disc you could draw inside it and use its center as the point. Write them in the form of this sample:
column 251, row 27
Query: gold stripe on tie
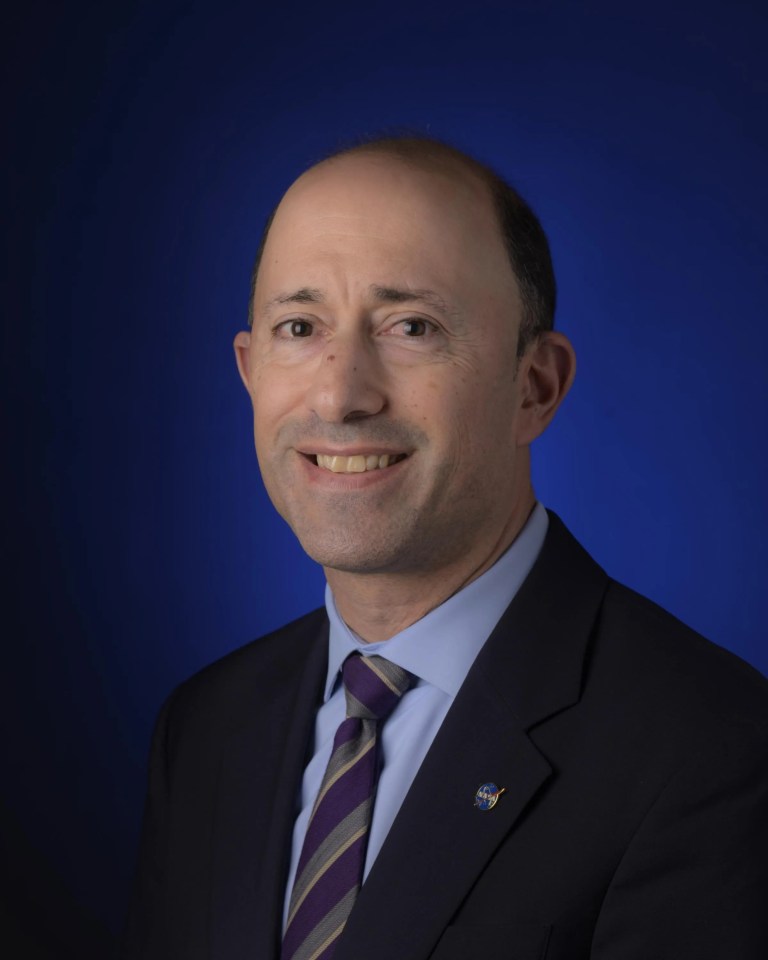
column 341, row 771
column 384, row 679
column 336, row 933
column 325, row 867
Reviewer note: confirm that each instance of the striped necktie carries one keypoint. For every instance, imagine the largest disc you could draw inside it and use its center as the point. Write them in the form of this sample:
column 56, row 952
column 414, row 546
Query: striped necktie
column 330, row 869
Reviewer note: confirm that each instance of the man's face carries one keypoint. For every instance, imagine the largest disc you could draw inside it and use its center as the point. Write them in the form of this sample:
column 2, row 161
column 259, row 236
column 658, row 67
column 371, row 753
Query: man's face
column 381, row 367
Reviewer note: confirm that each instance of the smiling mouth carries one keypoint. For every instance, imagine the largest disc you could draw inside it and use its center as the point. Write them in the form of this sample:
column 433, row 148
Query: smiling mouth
column 360, row 463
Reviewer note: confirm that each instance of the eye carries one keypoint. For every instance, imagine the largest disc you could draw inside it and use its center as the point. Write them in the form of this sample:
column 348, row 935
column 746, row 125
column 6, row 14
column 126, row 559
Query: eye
column 415, row 327
column 293, row 329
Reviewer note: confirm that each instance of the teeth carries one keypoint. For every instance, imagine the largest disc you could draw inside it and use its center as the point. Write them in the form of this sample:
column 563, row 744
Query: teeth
column 356, row 464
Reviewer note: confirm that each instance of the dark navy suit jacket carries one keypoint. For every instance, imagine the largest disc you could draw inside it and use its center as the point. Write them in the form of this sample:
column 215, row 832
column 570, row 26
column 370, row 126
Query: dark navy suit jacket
column 634, row 825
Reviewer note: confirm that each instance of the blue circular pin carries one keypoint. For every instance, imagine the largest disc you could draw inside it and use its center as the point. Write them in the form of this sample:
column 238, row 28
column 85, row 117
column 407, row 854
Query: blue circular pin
column 487, row 796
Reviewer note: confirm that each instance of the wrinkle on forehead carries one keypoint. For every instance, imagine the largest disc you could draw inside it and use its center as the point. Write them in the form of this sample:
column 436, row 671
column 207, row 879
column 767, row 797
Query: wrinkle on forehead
column 441, row 223
column 379, row 293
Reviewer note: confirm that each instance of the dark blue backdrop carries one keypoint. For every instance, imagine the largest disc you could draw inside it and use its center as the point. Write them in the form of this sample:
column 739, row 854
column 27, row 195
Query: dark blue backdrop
column 145, row 144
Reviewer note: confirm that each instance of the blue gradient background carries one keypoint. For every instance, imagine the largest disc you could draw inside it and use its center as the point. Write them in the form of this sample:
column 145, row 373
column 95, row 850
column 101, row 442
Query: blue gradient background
column 145, row 145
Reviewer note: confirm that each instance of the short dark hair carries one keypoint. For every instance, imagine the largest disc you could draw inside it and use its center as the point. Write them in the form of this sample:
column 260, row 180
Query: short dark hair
column 523, row 236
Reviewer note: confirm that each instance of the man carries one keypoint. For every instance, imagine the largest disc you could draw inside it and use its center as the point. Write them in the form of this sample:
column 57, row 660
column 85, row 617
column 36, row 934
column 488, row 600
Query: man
column 561, row 769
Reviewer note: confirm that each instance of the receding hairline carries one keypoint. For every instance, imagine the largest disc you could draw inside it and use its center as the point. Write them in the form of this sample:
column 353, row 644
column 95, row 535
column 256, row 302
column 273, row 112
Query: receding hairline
column 429, row 156
column 432, row 156
column 421, row 153
column 519, row 229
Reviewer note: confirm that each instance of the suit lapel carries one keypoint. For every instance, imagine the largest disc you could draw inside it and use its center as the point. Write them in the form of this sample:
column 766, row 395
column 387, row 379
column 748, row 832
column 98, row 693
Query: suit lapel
column 439, row 841
column 530, row 669
column 259, row 781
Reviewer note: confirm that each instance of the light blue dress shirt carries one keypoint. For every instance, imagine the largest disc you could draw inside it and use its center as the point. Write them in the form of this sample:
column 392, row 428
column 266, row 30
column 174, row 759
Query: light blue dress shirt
column 439, row 649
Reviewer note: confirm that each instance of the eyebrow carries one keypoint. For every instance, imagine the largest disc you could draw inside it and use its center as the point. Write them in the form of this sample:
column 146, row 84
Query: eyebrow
column 302, row 295
column 380, row 293
column 393, row 295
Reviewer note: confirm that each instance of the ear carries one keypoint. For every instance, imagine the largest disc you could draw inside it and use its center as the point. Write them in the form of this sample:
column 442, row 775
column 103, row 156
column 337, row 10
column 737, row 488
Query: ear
column 545, row 373
column 242, row 347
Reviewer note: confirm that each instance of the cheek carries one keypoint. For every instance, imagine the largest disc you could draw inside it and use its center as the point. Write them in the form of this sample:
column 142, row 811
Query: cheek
column 445, row 408
column 273, row 397
column 483, row 414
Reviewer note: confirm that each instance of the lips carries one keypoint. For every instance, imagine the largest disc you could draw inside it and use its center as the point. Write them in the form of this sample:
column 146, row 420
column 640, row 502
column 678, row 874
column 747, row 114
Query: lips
column 358, row 463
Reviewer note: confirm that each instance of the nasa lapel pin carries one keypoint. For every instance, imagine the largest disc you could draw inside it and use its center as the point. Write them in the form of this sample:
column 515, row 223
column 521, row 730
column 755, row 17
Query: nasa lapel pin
column 487, row 796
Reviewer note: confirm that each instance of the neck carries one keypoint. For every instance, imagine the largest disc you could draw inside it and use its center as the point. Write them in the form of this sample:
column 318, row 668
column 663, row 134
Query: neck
column 379, row 605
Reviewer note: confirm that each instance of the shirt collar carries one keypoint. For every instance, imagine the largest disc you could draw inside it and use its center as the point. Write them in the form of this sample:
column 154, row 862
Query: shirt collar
column 441, row 647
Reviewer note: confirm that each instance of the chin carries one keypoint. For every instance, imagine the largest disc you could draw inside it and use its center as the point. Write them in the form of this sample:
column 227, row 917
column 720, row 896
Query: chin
column 349, row 560
column 352, row 554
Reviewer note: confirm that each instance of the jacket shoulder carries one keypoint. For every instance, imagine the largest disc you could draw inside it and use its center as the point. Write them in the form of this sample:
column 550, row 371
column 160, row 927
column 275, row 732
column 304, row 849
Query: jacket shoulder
column 681, row 674
column 224, row 692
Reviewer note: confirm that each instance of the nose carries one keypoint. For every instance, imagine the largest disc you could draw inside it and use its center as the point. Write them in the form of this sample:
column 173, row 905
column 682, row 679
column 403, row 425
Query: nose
column 348, row 383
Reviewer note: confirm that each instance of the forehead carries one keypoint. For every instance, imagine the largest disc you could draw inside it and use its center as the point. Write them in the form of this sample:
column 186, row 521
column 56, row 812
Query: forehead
column 394, row 188
column 378, row 220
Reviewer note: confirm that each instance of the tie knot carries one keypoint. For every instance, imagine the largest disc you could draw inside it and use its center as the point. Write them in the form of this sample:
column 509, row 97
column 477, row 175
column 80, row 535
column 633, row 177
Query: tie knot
column 373, row 686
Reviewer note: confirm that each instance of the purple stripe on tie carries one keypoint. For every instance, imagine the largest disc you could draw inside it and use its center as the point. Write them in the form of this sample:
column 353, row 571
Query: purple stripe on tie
column 332, row 886
column 347, row 730
column 363, row 683
column 345, row 795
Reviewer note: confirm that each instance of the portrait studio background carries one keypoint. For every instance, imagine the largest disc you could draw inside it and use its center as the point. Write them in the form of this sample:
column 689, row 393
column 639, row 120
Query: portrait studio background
column 146, row 145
